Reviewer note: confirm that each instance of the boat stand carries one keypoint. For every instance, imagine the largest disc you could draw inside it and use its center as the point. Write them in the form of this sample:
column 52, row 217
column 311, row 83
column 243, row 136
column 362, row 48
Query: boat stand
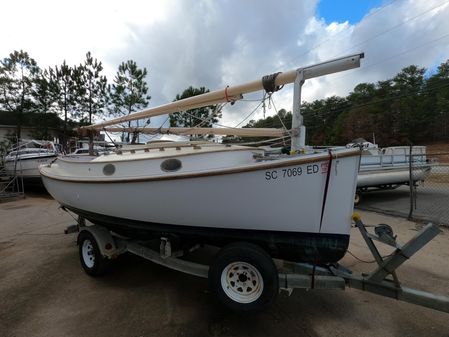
column 382, row 281
column 11, row 187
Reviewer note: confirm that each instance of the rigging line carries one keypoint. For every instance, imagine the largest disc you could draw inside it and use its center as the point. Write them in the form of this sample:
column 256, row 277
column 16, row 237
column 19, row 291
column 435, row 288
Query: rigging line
column 343, row 30
column 377, row 35
column 277, row 144
column 249, row 100
column 408, row 50
column 277, row 114
column 217, row 109
column 107, row 134
column 262, row 141
column 395, row 55
column 139, row 129
column 365, row 261
column 156, row 133
column 389, row 29
column 253, row 111
column 385, row 60
column 394, row 27
column 202, row 120
column 349, row 104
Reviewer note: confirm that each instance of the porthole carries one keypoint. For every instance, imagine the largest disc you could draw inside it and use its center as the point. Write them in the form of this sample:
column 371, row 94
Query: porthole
column 171, row 165
column 108, row 170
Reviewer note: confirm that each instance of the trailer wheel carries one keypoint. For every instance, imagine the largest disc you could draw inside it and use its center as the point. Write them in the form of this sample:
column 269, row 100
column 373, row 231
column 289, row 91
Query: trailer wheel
column 357, row 197
column 93, row 263
column 244, row 278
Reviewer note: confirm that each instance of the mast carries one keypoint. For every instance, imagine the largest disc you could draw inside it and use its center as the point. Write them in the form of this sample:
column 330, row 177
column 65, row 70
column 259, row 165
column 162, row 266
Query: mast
column 234, row 93
column 333, row 66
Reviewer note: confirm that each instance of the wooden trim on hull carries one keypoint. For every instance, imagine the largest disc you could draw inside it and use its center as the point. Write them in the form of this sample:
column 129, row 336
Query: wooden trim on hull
column 293, row 246
column 255, row 167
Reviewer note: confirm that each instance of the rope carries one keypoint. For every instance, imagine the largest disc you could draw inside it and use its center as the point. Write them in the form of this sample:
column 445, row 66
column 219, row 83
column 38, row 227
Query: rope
column 252, row 112
column 365, row 261
column 261, row 141
column 269, row 83
column 107, row 134
column 159, row 129
column 277, row 114
column 217, row 109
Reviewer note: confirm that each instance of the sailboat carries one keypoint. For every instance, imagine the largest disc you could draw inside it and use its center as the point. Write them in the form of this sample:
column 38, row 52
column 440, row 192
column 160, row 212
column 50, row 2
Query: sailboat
column 296, row 206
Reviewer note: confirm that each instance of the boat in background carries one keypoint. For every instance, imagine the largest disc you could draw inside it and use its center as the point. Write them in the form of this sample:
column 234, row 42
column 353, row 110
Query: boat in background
column 389, row 167
column 296, row 206
column 23, row 159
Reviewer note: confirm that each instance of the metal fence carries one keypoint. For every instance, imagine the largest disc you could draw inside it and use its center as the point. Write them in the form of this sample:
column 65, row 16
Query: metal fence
column 430, row 198
column 425, row 196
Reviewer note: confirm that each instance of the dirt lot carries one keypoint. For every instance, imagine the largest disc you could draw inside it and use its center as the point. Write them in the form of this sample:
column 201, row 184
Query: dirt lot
column 44, row 292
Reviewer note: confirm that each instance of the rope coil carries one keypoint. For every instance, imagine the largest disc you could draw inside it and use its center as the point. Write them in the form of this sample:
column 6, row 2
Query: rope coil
column 269, row 83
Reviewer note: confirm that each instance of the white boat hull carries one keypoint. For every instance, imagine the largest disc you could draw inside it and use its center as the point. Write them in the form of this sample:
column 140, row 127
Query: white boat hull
column 275, row 199
column 27, row 168
column 391, row 176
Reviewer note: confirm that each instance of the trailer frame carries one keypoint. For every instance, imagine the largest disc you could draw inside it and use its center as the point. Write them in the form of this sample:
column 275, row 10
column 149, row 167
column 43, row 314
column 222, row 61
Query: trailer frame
column 382, row 281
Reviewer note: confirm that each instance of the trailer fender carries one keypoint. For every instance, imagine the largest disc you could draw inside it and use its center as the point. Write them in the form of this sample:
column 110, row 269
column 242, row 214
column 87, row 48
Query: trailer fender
column 105, row 241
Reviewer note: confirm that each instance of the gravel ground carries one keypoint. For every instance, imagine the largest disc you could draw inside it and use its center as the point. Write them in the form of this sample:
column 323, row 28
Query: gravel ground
column 44, row 292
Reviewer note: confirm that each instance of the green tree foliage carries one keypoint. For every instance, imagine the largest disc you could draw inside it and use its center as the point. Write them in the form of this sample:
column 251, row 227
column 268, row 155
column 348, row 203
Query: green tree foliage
column 437, row 102
column 45, row 91
column 321, row 115
column 18, row 74
column 129, row 92
column 67, row 93
column 408, row 108
column 45, row 112
column 93, row 87
column 93, row 90
column 204, row 117
column 277, row 121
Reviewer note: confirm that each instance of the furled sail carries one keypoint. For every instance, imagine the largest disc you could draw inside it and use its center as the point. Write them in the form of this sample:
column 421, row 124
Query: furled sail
column 242, row 132
column 231, row 94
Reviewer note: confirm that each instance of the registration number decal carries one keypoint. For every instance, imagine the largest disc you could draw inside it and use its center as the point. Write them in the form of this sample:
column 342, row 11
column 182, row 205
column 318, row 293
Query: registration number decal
column 295, row 171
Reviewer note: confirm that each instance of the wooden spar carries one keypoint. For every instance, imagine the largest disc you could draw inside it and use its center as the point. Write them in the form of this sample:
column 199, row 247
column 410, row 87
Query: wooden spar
column 243, row 132
column 231, row 94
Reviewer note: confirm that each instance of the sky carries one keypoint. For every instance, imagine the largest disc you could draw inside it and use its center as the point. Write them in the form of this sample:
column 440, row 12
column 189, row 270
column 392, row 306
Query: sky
column 215, row 43
column 346, row 10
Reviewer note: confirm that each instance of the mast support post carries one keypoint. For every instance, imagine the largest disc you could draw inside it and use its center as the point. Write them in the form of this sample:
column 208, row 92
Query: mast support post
column 297, row 130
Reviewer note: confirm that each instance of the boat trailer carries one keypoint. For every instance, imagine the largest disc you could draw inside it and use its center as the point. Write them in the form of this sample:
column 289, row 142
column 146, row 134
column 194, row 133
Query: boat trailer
column 97, row 246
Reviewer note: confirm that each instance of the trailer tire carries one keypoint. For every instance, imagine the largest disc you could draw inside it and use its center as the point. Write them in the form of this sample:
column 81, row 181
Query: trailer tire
column 357, row 197
column 244, row 278
column 92, row 261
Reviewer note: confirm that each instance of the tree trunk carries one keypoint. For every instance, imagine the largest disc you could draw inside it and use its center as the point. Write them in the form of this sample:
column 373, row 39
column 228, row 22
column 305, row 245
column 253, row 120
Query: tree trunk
column 91, row 137
column 64, row 134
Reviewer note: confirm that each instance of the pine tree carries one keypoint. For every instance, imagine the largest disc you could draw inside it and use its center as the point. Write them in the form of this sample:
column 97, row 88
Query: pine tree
column 45, row 91
column 18, row 74
column 93, row 90
column 129, row 92
column 45, row 103
column 66, row 89
column 202, row 117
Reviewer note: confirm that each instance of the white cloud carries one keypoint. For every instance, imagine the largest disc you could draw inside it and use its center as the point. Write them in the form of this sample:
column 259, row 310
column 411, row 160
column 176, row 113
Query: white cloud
column 216, row 43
